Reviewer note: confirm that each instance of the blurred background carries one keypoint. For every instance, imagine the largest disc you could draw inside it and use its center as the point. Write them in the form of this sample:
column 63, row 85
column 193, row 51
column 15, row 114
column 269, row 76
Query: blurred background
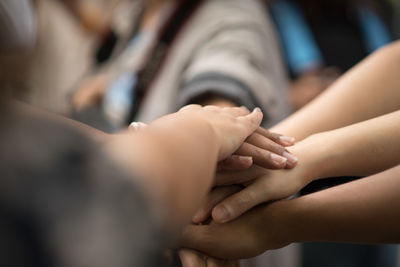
column 85, row 48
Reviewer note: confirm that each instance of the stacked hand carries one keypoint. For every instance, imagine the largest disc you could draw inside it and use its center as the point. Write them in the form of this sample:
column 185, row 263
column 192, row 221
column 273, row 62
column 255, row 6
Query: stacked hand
column 244, row 221
column 254, row 145
column 261, row 147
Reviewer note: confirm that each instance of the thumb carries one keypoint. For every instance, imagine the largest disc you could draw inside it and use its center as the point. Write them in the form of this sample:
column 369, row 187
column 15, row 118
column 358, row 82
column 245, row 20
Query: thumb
column 237, row 204
column 251, row 121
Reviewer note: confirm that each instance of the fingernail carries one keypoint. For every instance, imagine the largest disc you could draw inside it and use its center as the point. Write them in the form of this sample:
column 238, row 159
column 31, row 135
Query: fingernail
column 287, row 140
column 278, row 159
column 242, row 158
column 290, row 157
column 220, row 214
column 257, row 109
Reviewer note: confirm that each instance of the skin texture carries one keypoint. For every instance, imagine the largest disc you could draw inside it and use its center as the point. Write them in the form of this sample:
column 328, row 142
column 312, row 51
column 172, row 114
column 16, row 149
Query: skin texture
column 263, row 148
column 364, row 211
column 343, row 152
column 169, row 142
column 355, row 152
column 359, row 149
column 351, row 99
column 187, row 121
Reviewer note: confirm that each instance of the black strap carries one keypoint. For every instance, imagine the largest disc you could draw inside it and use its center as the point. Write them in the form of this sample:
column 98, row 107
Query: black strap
column 184, row 11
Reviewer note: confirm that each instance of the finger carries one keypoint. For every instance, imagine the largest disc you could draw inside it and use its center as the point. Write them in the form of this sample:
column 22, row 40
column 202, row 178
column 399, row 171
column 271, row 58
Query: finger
column 236, row 111
column 251, row 121
column 265, row 143
column 235, row 163
column 191, row 258
column 237, row 204
column 238, row 177
column 216, row 196
column 277, row 138
column 292, row 160
column 190, row 107
column 262, row 157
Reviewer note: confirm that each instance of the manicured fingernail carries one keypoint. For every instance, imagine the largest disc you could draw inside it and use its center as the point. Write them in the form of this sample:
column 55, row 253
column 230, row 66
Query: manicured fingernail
column 242, row 158
column 278, row 159
column 287, row 140
column 290, row 157
column 221, row 214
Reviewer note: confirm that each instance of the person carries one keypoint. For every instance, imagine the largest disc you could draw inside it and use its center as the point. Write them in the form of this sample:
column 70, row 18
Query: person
column 330, row 37
column 213, row 53
column 74, row 196
column 344, row 139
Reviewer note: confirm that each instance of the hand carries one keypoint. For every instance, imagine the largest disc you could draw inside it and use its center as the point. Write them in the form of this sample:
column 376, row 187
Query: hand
column 251, row 234
column 268, row 150
column 311, row 84
column 263, row 147
column 89, row 93
column 192, row 258
column 258, row 185
column 231, row 125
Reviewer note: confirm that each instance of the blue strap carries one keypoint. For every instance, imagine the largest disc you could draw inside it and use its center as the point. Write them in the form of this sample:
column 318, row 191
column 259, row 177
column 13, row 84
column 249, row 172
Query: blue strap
column 300, row 48
column 117, row 102
column 373, row 30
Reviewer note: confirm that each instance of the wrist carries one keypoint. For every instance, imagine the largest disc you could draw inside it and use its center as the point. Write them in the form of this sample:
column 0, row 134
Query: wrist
column 313, row 154
column 280, row 228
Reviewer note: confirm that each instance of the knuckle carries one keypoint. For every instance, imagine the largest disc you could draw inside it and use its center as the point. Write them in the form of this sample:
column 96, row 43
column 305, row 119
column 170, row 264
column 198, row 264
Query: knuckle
column 279, row 149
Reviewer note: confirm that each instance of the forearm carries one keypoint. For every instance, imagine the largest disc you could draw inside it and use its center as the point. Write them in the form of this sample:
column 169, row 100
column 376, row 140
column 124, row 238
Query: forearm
column 364, row 211
column 357, row 150
column 369, row 90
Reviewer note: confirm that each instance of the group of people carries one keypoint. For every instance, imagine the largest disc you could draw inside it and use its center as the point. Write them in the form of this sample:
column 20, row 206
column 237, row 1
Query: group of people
column 198, row 173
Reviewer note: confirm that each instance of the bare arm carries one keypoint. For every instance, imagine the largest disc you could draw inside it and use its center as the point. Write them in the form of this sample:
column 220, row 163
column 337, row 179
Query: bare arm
column 370, row 89
column 356, row 150
column 364, row 211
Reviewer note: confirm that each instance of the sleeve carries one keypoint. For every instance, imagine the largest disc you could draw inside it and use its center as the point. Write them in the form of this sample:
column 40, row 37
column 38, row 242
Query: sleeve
column 17, row 25
column 240, row 60
column 65, row 204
